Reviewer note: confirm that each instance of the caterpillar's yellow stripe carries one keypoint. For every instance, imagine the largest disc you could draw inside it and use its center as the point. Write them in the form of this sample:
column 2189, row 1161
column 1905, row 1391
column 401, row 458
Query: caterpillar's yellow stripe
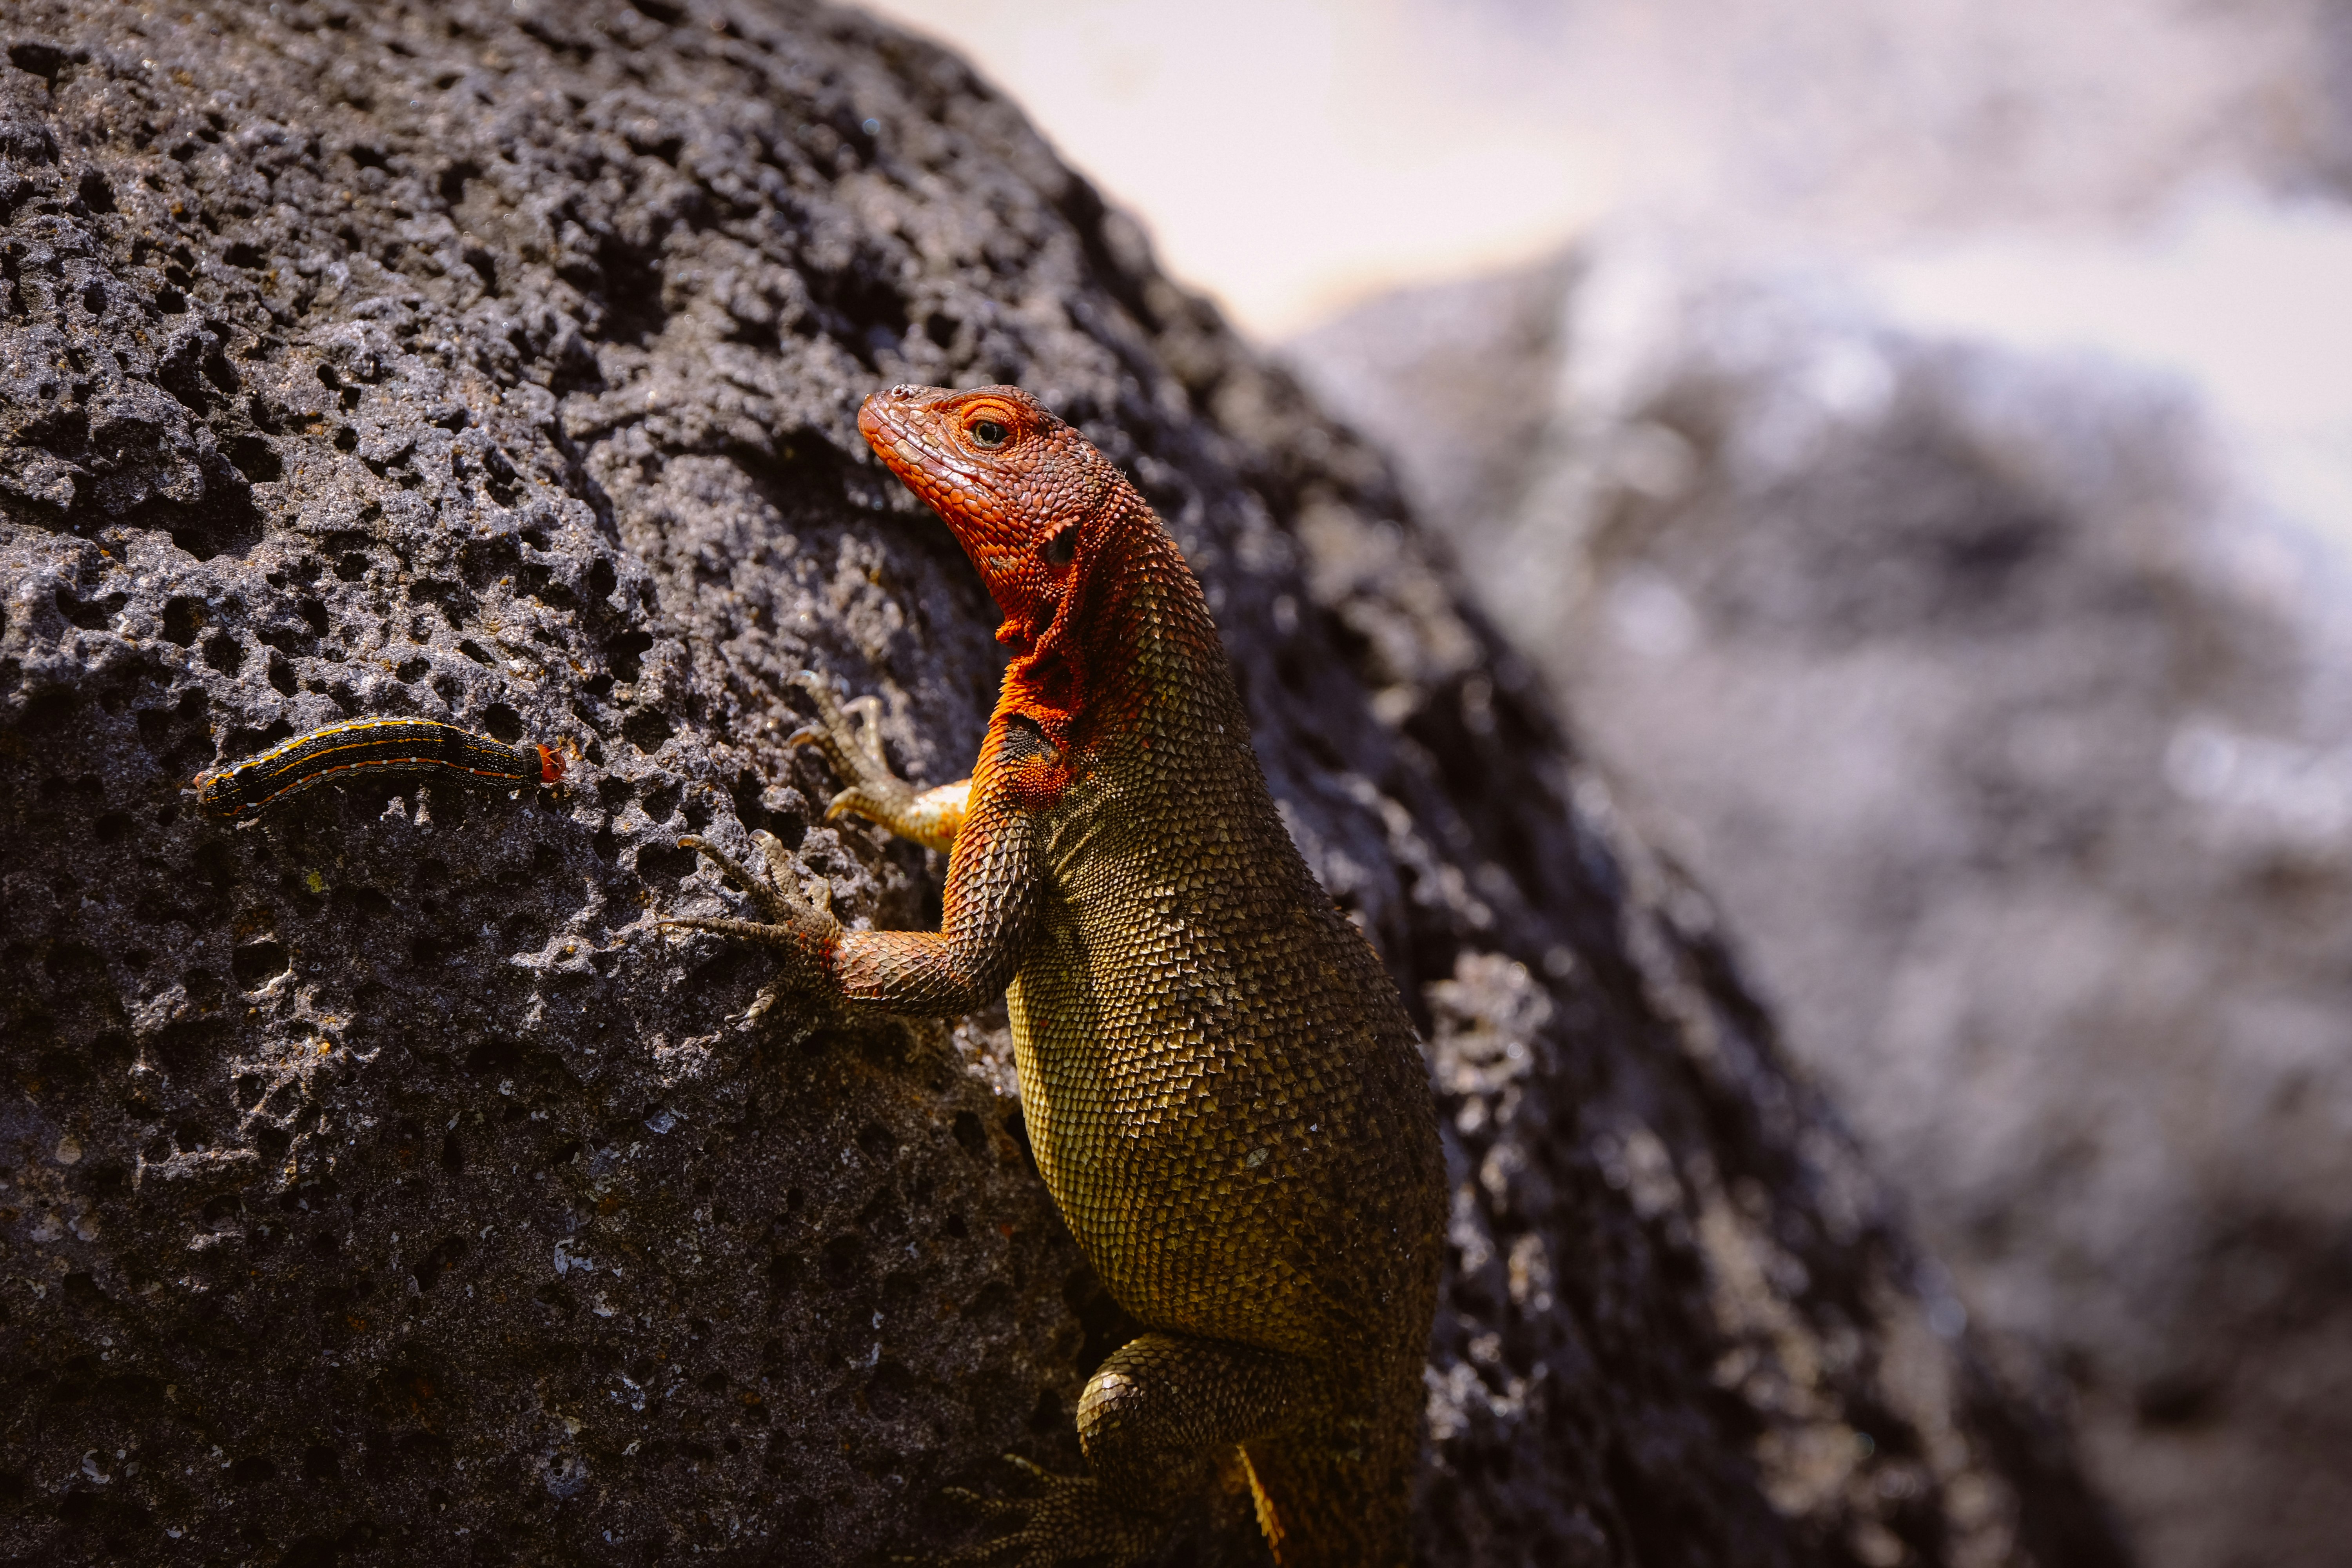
column 377, row 746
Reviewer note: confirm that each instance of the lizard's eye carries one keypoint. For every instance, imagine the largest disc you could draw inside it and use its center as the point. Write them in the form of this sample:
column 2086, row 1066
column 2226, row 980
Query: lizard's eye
column 1063, row 548
column 989, row 433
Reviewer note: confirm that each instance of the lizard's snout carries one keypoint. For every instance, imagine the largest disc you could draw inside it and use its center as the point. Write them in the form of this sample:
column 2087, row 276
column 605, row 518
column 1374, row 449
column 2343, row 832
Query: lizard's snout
column 878, row 418
column 884, row 414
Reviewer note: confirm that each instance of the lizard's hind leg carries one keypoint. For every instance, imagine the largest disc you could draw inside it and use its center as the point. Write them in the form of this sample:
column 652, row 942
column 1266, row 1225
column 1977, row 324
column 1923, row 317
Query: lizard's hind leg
column 1154, row 1418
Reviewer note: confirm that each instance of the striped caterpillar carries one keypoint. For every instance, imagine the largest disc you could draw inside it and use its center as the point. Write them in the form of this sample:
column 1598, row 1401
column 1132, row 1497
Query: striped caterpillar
column 423, row 747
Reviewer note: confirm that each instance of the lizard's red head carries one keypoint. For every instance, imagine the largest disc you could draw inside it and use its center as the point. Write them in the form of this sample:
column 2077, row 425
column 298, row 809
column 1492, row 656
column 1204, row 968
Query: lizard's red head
column 1024, row 492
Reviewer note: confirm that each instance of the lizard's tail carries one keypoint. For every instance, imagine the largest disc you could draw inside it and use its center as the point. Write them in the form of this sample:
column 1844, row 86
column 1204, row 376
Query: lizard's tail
column 1333, row 1497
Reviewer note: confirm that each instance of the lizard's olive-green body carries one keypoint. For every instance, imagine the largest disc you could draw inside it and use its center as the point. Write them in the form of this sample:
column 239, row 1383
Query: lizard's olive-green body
column 1221, row 1086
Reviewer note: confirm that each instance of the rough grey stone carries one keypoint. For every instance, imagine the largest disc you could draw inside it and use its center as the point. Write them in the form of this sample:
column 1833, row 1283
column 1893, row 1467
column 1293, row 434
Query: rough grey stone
column 380, row 1182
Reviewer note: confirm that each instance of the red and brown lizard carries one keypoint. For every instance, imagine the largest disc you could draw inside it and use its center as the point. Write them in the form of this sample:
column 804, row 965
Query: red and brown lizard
column 1221, row 1086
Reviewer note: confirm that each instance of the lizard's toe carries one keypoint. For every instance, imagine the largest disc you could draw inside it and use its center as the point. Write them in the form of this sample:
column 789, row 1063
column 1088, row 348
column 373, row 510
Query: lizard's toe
column 850, row 736
column 1071, row 1519
column 775, row 894
column 799, row 929
column 857, row 798
column 986, row 1507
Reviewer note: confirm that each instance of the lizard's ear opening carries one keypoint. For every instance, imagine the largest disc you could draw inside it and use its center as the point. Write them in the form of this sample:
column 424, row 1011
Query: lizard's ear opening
column 1063, row 547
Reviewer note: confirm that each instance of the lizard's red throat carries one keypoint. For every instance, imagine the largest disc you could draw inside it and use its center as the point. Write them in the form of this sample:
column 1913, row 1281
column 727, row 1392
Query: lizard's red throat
column 1018, row 487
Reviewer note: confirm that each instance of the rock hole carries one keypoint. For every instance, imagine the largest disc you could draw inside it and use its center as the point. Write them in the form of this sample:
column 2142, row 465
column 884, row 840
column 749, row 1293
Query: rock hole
column 451, row 185
column 503, row 722
column 626, row 651
column 257, row 964
column 664, row 865
column 44, row 60
column 970, row 1134
column 46, row 713
column 255, row 458
column 646, row 729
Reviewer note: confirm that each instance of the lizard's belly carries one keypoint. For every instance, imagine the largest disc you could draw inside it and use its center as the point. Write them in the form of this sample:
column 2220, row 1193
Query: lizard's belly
column 1205, row 1130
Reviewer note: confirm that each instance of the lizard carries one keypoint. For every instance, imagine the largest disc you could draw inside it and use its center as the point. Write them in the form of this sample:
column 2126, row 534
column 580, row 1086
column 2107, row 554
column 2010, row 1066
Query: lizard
column 1223, row 1088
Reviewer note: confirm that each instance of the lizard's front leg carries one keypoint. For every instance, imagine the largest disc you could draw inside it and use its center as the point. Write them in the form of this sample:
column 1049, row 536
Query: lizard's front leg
column 931, row 817
column 990, row 899
column 1153, row 1419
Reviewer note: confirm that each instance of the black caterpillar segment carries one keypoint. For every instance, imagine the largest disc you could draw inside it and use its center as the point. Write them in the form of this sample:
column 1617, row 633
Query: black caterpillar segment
column 422, row 746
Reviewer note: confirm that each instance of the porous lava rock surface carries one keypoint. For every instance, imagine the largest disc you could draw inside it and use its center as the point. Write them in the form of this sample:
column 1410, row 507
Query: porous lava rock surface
column 380, row 1182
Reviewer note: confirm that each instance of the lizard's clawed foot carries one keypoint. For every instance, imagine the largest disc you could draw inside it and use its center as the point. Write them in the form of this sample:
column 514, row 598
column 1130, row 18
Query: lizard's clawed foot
column 796, row 924
column 854, row 750
column 1073, row 1518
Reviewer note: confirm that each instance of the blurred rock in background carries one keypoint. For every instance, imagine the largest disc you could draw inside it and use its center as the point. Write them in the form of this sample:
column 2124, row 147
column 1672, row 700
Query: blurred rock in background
column 1972, row 618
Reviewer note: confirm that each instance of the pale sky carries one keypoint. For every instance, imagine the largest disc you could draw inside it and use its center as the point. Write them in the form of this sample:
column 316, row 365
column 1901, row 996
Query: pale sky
column 1295, row 157
column 1292, row 156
